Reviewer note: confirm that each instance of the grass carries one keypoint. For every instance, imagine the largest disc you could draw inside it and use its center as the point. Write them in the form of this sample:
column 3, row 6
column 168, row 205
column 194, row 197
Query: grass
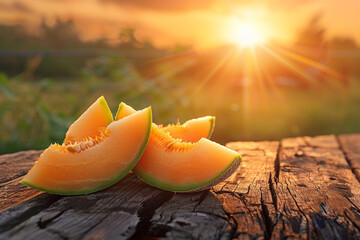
column 34, row 114
column 293, row 112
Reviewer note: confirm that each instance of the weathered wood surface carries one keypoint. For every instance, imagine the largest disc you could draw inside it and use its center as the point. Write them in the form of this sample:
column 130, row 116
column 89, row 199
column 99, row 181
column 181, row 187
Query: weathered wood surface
column 305, row 187
column 12, row 168
column 351, row 146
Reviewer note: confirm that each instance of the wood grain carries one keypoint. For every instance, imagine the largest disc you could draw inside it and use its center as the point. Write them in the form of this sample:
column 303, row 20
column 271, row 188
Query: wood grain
column 317, row 195
column 350, row 144
column 12, row 168
column 246, row 196
column 304, row 187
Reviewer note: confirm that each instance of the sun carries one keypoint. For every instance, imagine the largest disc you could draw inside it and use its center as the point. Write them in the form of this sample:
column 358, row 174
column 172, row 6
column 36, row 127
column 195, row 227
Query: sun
column 246, row 34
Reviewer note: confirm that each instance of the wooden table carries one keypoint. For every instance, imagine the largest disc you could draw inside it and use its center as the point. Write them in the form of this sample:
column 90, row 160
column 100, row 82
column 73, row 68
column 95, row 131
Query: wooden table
column 304, row 187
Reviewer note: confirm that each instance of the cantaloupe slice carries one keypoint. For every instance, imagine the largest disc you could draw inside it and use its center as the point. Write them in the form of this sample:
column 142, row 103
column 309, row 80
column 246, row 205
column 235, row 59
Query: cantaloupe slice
column 98, row 115
column 174, row 165
column 94, row 163
column 191, row 131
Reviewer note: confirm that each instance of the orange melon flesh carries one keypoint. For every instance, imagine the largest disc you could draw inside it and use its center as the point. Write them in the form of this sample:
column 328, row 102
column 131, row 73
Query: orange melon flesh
column 116, row 153
column 173, row 165
column 124, row 111
column 191, row 131
column 98, row 115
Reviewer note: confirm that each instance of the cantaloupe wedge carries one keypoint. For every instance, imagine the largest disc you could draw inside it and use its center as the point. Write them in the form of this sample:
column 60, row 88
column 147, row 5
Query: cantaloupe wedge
column 95, row 162
column 192, row 130
column 174, row 165
column 98, row 115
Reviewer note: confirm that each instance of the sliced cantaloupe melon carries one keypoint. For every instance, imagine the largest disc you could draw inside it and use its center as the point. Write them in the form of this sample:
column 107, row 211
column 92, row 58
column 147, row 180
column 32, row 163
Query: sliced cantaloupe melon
column 94, row 163
column 98, row 115
column 191, row 131
column 174, row 165
column 124, row 110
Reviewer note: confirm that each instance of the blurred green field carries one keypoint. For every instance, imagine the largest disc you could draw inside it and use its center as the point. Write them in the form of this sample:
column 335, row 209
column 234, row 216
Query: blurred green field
column 35, row 113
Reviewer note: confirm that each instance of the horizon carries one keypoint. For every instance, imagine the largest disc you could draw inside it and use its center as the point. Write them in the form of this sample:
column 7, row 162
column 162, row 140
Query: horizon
column 207, row 23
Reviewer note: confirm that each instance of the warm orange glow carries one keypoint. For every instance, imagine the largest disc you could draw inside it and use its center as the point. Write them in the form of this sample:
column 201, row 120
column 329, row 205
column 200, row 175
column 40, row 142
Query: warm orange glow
column 247, row 34
column 208, row 23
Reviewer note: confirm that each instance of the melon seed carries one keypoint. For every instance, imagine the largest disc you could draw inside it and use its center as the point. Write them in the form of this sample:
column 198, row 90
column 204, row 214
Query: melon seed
column 71, row 149
column 78, row 149
column 82, row 144
column 90, row 143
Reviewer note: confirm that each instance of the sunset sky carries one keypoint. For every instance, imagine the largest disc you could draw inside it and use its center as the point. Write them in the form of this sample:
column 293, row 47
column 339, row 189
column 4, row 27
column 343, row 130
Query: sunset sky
column 201, row 23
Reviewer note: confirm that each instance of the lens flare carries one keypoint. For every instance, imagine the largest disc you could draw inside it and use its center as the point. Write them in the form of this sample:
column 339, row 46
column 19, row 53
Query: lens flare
column 246, row 34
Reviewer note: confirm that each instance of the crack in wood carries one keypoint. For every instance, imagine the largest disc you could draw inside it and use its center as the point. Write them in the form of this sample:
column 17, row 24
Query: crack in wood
column 349, row 144
column 266, row 218
column 146, row 212
column 43, row 223
column 348, row 214
column 22, row 212
column 201, row 198
column 233, row 223
column 273, row 192
column 277, row 164
column 299, row 208
column 354, row 205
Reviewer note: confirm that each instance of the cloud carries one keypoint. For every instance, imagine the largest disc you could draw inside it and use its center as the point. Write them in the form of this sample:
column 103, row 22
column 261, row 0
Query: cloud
column 163, row 5
column 278, row 5
column 16, row 7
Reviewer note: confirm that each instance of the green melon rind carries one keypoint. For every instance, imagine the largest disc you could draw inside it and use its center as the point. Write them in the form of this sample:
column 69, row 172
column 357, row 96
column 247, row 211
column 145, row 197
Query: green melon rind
column 155, row 182
column 121, row 106
column 108, row 114
column 212, row 127
column 111, row 181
